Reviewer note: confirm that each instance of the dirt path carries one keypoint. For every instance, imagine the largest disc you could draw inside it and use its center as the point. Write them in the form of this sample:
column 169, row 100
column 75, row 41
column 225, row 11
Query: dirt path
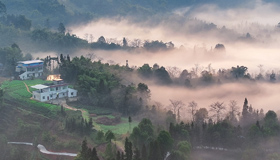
column 27, row 88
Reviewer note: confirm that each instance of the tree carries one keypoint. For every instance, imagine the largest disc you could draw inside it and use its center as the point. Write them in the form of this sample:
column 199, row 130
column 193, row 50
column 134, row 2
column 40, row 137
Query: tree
column 272, row 77
column 177, row 105
column 271, row 124
column 217, row 108
column 110, row 151
column 61, row 28
column 201, row 115
column 101, row 40
column 233, row 111
column 165, row 142
column 155, row 153
column 162, row 76
column 84, row 151
column 145, row 71
column 143, row 133
column 206, row 76
column 173, row 71
column 3, row 9
column 94, row 154
column 109, row 135
column 185, row 148
column 220, row 47
column 238, row 72
column 125, row 44
column 129, row 121
column 128, row 149
column 192, row 105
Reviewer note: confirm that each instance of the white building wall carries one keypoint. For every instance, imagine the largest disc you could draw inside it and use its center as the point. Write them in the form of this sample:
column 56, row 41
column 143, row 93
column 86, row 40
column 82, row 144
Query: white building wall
column 51, row 93
column 36, row 95
column 72, row 92
column 23, row 76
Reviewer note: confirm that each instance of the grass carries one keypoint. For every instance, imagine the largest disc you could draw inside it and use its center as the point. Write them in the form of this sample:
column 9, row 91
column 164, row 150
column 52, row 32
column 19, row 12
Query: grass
column 93, row 109
column 16, row 92
column 121, row 128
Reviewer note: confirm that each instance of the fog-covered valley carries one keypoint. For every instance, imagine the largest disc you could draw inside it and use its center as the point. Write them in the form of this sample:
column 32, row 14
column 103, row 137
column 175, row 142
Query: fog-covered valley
column 166, row 79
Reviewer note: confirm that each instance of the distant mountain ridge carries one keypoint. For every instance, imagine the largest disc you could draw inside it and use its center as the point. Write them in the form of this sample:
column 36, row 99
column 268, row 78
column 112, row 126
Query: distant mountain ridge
column 53, row 12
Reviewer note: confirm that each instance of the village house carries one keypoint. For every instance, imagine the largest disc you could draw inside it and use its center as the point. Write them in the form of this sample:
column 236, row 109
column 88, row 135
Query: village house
column 29, row 69
column 55, row 90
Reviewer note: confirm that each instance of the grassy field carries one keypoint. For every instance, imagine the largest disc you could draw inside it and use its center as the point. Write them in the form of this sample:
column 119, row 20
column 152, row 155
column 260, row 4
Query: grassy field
column 16, row 91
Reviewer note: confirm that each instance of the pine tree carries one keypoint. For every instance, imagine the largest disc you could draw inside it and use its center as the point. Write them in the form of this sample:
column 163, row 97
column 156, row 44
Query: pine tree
column 84, row 151
column 128, row 149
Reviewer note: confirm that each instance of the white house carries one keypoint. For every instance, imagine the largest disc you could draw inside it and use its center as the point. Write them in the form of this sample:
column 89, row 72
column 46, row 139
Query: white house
column 29, row 69
column 55, row 90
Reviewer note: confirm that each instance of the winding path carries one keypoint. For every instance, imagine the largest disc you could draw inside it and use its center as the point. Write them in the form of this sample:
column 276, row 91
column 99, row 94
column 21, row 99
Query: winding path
column 43, row 149
column 27, row 88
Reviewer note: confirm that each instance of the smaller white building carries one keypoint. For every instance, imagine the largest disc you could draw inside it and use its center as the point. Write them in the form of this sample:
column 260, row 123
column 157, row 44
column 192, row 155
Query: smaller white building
column 29, row 69
column 55, row 90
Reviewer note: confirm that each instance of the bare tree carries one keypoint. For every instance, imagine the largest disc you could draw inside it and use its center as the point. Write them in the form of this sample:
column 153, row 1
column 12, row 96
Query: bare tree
column 91, row 38
column 136, row 43
column 197, row 69
column 192, row 108
column 173, row 71
column 86, row 37
column 91, row 56
column 158, row 105
column 177, row 105
column 233, row 110
column 217, row 108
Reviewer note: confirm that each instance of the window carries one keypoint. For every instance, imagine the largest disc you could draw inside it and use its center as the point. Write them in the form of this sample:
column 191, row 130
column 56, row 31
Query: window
column 43, row 97
column 72, row 93
column 56, row 88
column 51, row 96
column 52, row 89
column 34, row 96
column 63, row 94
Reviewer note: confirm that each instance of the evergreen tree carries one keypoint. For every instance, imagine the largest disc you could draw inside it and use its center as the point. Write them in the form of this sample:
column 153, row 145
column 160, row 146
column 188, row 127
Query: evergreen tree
column 154, row 153
column 128, row 149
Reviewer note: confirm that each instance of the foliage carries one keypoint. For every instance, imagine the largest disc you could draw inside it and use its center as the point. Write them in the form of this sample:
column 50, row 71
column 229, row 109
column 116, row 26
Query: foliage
column 86, row 152
column 109, row 135
column 165, row 142
column 9, row 58
column 143, row 133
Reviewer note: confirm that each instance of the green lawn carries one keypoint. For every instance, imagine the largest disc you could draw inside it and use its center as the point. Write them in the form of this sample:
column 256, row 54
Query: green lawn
column 16, row 91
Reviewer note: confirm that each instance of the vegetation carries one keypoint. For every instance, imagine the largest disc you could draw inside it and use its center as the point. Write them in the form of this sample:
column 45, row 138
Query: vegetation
column 117, row 118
